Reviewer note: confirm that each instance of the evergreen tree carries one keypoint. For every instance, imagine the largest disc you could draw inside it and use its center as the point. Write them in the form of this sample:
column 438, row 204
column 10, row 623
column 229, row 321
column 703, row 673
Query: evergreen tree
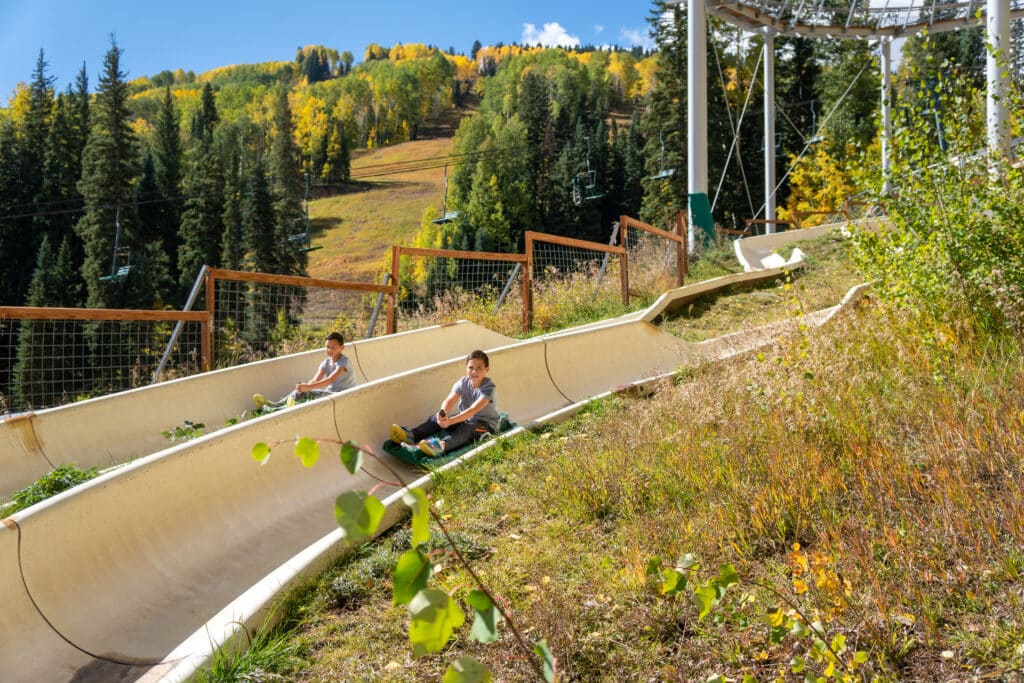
column 205, row 120
column 11, row 240
column 847, row 70
column 337, row 156
column 232, row 244
column 950, row 55
column 288, row 190
column 626, row 169
column 800, row 111
column 41, row 377
column 666, row 117
column 149, row 235
column 109, row 166
column 202, row 224
column 35, row 134
column 168, row 158
column 62, row 167
column 259, row 225
column 259, row 221
column 534, row 109
column 736, row 182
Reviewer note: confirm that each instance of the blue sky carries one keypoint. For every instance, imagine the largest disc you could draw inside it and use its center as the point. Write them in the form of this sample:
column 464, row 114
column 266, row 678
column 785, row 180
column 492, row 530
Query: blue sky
column 189, row 34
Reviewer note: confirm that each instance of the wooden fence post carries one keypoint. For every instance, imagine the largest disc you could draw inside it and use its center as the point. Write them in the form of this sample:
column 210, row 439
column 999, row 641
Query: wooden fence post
column 396, row 252
column 209, row 329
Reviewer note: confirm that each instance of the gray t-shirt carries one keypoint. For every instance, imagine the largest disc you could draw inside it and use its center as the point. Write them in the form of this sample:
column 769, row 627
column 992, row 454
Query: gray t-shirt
column 346, row 381
column 468, row 396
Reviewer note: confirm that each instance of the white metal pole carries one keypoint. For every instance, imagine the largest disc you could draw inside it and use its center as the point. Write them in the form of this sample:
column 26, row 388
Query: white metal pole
column 697, row 105
column 769, row 128
column 997, row 74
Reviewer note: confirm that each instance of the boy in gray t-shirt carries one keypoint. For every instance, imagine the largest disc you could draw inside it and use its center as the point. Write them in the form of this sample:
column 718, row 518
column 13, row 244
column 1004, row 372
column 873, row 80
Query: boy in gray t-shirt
column 331, row 377
column 477, row 399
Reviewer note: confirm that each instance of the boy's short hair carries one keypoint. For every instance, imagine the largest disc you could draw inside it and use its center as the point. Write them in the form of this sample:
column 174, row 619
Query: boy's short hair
column 479, row 355
column 336, row 336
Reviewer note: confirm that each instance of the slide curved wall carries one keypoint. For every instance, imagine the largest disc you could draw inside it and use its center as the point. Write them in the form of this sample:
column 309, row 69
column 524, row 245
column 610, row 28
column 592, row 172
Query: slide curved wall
column 113, row 429
column 140, row 573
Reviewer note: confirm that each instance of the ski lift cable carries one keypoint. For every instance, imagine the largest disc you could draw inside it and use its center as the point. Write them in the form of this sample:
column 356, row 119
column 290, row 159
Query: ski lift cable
column 807, row 144
column 735, row 127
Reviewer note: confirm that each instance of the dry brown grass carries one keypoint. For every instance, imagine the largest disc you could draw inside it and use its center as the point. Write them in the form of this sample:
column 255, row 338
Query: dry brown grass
column 893, row 461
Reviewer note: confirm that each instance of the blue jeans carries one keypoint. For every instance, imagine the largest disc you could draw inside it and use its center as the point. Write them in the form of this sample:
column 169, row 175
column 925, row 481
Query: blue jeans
column 458, row 435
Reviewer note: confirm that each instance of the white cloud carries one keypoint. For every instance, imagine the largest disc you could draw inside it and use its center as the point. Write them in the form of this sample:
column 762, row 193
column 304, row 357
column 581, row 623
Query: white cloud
column 630, row 37
column 552, row 35
column 599, row 29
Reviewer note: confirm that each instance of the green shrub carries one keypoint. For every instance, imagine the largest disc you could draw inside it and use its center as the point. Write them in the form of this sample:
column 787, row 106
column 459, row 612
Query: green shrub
column 955, row 247
column 50, row 484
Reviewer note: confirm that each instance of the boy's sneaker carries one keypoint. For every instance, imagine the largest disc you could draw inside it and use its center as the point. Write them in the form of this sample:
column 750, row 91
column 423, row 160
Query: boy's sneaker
column 432, row 446
column 400, row 434
column 259, row 401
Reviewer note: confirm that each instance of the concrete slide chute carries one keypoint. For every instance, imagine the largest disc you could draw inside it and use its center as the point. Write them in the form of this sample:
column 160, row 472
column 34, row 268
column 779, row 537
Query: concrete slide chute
column 140, row 574
column 114, row 429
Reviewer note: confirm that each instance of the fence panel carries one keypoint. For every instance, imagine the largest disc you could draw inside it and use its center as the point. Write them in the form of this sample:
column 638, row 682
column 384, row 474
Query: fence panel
column 51, row 356
column 657, row 258
column 259, row 315
column 569, row 276
column 442, row 285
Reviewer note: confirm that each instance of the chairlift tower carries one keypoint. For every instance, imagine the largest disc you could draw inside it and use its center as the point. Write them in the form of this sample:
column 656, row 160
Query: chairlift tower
column 856, row 20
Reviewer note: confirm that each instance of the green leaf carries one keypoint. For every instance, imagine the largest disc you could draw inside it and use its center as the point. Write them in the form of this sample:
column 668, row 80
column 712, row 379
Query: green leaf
column 798, row 629
column 434, row 616
column 351, row 456
column 466, row 670
column 705, row 597
column 261, row 452
column 486, row 619
column 307, row 450
column 412, row 571
column 776, row 634
column 547, row 660
column 860, row 657
column 358, row 514
column 653, row 566
column 687, row 561
column 839, row 644
column 417, row 501
column 797, row 664
column 727, row 576
column 716, row 678
column 672, row 582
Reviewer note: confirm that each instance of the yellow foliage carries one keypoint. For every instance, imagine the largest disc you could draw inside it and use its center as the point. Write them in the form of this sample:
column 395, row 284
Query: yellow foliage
column 623, row 72
column 647, row 77
column 817, row 183
column 465, row 68
column 17, row 107
column 309, row 119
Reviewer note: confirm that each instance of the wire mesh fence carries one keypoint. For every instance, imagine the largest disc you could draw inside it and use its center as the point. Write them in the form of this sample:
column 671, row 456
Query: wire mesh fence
column 45, row 362
column 258, row 316
column 574, row 279
column 437, row 286
column 810, row 219
column 657, row 258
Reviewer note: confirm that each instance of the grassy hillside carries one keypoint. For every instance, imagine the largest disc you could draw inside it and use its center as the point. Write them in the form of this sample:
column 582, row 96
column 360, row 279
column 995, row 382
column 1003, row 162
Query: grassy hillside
column 863, row 483
column 861, row 480
column 357, row 229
